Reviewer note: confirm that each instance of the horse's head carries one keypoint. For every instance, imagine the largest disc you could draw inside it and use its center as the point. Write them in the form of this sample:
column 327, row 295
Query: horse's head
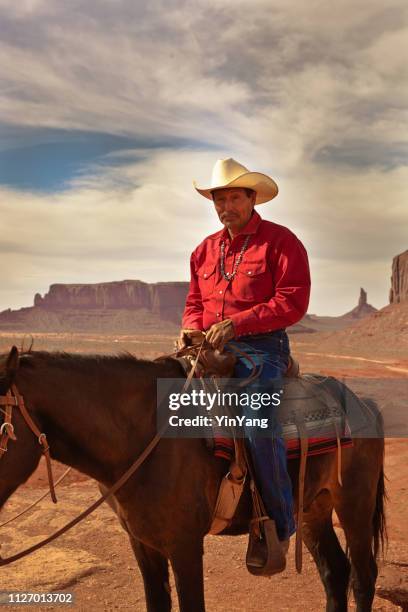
column 20, row 451
column 8, row 369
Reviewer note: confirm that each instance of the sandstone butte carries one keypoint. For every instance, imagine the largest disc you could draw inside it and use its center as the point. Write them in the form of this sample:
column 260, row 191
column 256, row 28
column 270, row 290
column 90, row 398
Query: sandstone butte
column 134, row 306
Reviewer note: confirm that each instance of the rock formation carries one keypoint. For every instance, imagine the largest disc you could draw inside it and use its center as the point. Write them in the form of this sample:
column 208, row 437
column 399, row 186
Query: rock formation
column 363, row 309
column 128, row 305
column 164, row 299
column 399, row 279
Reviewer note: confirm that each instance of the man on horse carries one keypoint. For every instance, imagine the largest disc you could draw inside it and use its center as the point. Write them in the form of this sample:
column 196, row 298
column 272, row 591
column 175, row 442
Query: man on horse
column 249, row 281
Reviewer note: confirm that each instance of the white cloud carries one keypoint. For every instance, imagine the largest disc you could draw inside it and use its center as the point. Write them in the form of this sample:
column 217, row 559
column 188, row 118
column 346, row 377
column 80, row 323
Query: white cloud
column 290, row 71
column 311, row 93
column 146, row 230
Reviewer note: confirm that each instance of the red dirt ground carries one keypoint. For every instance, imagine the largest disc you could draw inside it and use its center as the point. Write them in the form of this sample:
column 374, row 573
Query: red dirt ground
column 95, row 562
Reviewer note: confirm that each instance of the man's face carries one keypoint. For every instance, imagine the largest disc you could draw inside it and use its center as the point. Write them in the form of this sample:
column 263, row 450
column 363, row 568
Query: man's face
column 234, row 207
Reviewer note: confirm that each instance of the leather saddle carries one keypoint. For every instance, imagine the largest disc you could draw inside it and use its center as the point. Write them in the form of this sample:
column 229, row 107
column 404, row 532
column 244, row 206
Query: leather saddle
column 210, row 362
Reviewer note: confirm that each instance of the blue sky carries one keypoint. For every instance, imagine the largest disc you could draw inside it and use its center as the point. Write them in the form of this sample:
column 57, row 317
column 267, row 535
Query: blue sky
column 109, row 110
column 48, row 160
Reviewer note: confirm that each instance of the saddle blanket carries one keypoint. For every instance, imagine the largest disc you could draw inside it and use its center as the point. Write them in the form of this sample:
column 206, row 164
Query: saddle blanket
column 322, row 405
column 224, row 447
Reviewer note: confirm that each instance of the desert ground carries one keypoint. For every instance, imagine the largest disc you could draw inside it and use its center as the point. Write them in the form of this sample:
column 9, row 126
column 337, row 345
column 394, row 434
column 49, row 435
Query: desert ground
column 94, row 560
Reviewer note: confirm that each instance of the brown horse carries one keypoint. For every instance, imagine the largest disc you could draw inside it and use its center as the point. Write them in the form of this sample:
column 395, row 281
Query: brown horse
column 98, row 413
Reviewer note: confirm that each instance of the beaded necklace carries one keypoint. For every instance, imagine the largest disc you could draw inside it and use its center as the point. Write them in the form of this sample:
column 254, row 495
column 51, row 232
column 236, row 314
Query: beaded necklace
column 230, row 275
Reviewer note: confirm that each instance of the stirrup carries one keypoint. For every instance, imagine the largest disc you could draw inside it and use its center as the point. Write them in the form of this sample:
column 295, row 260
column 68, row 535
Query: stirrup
column 265, row 555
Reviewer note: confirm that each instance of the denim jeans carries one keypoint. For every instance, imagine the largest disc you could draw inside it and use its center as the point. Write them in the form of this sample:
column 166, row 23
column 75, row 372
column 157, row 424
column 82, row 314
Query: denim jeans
column 268, row 453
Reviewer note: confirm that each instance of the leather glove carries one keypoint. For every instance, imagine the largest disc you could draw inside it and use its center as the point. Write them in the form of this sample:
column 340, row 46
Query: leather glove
column 188, row 337
column 220, row 333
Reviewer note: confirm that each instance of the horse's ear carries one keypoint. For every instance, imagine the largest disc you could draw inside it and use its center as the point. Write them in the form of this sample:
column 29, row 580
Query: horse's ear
column 12, row 362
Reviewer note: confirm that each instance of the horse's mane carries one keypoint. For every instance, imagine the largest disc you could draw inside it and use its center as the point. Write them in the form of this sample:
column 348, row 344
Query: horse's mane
column 88, row 361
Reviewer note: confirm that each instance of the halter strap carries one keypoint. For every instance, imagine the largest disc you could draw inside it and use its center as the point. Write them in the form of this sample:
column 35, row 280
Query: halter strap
column 14, row 398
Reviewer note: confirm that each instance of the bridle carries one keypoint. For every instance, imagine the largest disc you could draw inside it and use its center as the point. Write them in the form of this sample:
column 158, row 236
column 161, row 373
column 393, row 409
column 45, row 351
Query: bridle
column 13, row 398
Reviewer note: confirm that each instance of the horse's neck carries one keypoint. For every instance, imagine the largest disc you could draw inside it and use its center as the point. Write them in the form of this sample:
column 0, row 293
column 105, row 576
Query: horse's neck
column 96, row 425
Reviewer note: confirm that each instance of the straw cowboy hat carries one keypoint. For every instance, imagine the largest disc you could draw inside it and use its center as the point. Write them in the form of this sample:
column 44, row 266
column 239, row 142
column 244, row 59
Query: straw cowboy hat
column 228, row 173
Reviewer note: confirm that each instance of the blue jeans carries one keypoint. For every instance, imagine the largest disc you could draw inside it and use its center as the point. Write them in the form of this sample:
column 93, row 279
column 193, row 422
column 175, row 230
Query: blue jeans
column 268, row 453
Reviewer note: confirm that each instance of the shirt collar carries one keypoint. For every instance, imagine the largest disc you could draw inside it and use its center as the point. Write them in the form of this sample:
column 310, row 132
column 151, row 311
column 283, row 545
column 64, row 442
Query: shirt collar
column 250, row 228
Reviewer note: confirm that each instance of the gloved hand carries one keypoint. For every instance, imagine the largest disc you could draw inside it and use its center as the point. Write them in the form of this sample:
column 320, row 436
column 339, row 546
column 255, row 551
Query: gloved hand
column 220, row 333
column 188, row 337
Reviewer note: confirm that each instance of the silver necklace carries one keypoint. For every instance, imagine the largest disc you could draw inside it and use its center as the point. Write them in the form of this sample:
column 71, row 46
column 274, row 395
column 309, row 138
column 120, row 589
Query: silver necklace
column 230, row 275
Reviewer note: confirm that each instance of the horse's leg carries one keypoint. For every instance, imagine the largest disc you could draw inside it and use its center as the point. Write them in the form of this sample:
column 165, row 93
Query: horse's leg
column 155, row 573
column 187, row 564
column 321, row 540
column 356, row 520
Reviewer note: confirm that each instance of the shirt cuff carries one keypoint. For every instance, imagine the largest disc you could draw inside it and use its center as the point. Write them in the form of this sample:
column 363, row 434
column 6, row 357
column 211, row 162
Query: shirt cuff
column 245, row 323
column 186, row 324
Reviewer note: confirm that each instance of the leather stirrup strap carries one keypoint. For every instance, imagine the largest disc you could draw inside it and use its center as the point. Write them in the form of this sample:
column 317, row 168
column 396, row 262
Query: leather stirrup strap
column 238, row 467
column 304, row 445
column 259, row 510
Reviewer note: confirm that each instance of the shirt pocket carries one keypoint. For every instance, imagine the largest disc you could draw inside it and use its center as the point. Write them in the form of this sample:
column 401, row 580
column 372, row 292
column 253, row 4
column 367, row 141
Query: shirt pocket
column 253, row 281
column 206, row 278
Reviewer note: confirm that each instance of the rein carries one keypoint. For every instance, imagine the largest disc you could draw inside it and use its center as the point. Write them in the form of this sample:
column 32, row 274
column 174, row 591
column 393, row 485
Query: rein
column 13, row 398
column 37, row 501
column 7, row 431
column 96, row 504
column 186, row 355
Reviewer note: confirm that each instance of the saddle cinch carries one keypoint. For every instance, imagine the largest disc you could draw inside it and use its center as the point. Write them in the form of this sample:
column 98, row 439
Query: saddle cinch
column 300, row 409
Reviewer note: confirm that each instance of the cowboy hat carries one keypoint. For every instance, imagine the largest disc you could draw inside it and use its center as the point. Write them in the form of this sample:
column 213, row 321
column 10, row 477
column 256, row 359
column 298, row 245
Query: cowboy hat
column 228, row 173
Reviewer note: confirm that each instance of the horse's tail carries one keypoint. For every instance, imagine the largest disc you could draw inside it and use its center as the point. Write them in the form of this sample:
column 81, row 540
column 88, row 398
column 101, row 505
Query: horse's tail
column 380, row 537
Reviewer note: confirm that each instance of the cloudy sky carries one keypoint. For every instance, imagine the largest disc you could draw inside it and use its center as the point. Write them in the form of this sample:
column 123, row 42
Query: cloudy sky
column 109, row 110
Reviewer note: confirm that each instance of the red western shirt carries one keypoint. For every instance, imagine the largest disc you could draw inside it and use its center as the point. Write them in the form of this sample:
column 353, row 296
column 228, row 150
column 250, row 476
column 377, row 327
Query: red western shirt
column 269, row 291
